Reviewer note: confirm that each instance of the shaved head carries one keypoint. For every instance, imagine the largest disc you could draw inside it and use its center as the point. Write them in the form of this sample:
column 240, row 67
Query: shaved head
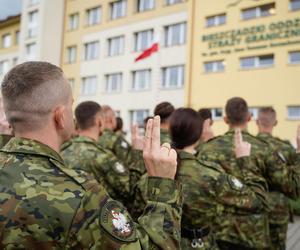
column 30, row 92
column 267, row 117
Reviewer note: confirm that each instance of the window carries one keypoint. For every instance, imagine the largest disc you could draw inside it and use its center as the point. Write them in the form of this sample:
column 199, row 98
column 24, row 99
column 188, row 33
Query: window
column 170, row 2
column 93, row 16
column 141, row 79
column 6, row 41
column 216, row 20
column 4, row 67
column 294, row 112
column 33, row 2
column 175, row 34
column 214, row 66
column 31, row 51
column 257, row 62
column 118, row 9
column 173, row 77
column 74, row 21
column 116, row 46
column 294, row 57
column 89, row 85
column 144, row 5
column 254, row 112
column 71, row 54
column 217, row 113
column 32, row 24
column 91, row 50
column 17, row 37
column 138, row 116
column 113, row 83
column 143, row 40
column 259, row 11
column 15, row 61
column 294, row 4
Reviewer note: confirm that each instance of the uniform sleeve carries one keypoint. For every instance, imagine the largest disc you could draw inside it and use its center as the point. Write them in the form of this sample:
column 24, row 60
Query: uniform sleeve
column 281, row 176
column 102, row 223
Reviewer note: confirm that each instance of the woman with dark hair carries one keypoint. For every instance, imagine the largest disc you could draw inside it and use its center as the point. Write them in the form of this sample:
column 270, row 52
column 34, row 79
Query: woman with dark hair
column 208, row 191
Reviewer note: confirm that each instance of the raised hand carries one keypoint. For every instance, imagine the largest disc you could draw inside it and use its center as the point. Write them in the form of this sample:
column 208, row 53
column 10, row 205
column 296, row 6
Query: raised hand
column 137, row 141
column 160, row 160
column 242, row 148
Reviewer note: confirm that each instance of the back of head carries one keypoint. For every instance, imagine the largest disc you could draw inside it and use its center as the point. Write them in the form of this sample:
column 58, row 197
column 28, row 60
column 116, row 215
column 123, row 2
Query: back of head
column 185, row 127
column 267, row 117
column 107, row 111
column 205, row 114
column 164, row 110
column 30, row 92
column 85, row 114
column 237, row 111
column 119, row 126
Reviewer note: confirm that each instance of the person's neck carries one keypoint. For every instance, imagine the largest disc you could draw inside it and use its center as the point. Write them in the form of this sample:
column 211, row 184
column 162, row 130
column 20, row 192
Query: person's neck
column 242, row 127
column 90, row 133
column 264, row 130
column 190, row 149
column 45, row 136
column 164, row 126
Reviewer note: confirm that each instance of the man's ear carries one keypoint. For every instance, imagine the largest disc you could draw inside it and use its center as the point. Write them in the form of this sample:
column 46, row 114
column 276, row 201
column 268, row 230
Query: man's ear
column 226, row 120
column 249, row 117
column 59, row 117
column 276, row 122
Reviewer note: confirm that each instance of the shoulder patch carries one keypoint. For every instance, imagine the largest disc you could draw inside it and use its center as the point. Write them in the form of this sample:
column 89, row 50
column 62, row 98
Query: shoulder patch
column 235, row 183
column 119, row 168
column 117, row 222
column 124, row 144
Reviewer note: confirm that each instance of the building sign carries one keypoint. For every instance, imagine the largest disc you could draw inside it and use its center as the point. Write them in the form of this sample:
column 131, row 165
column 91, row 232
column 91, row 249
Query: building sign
column 263, row 36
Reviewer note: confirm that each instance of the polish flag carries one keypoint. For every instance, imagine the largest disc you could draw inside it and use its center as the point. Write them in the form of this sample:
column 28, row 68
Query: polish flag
column 148, row 52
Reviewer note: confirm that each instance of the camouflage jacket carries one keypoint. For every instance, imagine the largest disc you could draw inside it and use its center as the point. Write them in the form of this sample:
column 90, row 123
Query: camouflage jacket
column 84, row 153
column 280, row 203
column 44, row 205
column 165, row 136
column 4, row 139
column 267, row 165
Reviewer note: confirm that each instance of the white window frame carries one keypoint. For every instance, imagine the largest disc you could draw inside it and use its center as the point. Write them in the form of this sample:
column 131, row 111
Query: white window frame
column 257, row 62
column 290, row 57
column 291, row 5
column 88, row 86
column 217, row 20
column 71, row 54
column 145, row 5
column 73, row 21
column 31, row 51
column 166, row 77
column 171, row 2
column 91, row 50
column 33, row 2
column 93, row 16
column 258, row 11
column 137, row 76
column 254, row 112
column 6, row 40
column 215, row 66
column 140, row 44
column 293, row 117
column 111, row 86
column 215, row 116
column 116, row 46
column 171, row 32
column 134, row 116
column 118, row 9
column 4, row 67
column 33, row 17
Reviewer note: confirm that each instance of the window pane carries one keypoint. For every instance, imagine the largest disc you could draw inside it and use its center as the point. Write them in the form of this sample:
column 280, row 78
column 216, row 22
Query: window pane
column 295, row 57
column 267, row 60
column 222, row 19
column 248, row 62
column 294, row 112
column 295, row 4
column 267, row 10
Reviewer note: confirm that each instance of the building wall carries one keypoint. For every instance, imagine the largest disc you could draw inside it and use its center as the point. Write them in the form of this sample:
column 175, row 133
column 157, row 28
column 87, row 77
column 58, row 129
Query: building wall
column 276, row 86
column 127, row 99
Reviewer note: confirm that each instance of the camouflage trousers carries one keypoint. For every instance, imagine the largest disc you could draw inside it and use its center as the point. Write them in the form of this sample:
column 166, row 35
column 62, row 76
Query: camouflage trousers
column 278, row 234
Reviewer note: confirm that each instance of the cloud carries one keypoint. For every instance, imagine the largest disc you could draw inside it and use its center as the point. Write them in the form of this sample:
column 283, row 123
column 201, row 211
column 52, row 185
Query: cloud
column 9, row 8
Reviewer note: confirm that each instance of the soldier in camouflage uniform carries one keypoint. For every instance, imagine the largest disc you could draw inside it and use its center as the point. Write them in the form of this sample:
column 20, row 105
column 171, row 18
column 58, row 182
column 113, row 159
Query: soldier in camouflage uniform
column 251, row 231
column 279, row 216
column 164, row 110
column 45, row 205
column 84, row 153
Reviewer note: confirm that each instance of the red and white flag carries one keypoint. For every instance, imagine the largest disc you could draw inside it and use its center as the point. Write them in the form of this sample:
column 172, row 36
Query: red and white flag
column 149, row 51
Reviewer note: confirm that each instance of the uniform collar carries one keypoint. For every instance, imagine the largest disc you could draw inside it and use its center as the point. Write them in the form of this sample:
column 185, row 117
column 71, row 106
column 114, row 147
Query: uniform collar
column 185, row 155
column 31, row 147
column 264, row 135
column 83, row 138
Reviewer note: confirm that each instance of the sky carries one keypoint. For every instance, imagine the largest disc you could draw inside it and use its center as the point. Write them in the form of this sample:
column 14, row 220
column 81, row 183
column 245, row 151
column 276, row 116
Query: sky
column 9, row 8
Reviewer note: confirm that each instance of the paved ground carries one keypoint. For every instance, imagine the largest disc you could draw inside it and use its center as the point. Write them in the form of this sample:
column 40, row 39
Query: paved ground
column 293, row 236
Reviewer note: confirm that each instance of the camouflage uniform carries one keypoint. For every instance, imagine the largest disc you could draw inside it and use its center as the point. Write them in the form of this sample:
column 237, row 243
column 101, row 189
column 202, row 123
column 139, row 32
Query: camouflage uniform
column 250, row 231
column 165, row 136
column 279, row 216
column 44, row 205
column 4, row 139
column 84, row 153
